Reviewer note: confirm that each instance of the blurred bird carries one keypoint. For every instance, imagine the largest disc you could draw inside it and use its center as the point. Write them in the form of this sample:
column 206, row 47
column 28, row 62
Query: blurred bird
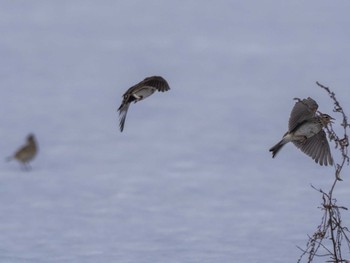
column 26, row 153
column 306, row 132
column 139, row 92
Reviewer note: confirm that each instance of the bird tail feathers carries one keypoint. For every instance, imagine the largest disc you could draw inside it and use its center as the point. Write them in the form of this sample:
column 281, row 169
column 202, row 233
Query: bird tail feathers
column 275, row 149
column 123, row 110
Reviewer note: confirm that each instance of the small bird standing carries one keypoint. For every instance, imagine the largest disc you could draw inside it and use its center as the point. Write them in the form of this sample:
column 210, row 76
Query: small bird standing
column 26, row 153
column 139, row 92
column 305, row 130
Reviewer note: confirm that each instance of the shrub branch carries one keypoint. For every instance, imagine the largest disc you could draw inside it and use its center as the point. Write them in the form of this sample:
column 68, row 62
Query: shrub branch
column 331, row 237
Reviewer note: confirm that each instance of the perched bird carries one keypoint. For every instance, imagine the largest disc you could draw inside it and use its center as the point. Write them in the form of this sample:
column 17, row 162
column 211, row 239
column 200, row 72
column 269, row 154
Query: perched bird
column 26, row 153
column 139, row 92
column 305, row 130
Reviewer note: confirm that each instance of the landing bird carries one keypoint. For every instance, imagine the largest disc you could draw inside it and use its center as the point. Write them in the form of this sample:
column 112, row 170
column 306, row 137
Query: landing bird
column 305, row 131
column 139, row 92
column 26, row 153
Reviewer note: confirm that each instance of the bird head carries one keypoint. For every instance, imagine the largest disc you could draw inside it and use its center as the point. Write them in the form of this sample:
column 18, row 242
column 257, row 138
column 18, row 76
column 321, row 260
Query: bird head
column 325, row 119
column 30, row 137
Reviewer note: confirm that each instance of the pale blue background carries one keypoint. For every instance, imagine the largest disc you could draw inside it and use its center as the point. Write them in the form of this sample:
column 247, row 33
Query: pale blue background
column 190, row 179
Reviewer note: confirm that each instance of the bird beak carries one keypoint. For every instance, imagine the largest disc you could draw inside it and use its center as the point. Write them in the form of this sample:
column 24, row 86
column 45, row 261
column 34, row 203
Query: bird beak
column 331, row 119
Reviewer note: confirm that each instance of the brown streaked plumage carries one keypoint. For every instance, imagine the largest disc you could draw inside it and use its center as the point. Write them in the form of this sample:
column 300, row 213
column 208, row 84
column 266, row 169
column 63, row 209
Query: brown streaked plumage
column 305, row 130
column 139, row 92
column 26, row 153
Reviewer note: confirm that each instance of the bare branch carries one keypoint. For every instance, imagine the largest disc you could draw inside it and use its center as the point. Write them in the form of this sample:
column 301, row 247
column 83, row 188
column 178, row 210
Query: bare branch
column 331, row 228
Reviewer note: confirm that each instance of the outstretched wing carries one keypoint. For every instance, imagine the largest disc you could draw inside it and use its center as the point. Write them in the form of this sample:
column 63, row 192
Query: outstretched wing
column 302, row 111
column 155, row 81
column 317, row 148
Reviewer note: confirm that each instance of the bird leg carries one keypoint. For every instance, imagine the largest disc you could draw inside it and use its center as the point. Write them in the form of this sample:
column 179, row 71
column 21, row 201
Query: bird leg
column 26, row 166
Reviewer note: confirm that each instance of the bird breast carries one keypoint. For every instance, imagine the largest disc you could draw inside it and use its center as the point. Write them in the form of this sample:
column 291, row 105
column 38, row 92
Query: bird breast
column 144, row 93
column 308, row 129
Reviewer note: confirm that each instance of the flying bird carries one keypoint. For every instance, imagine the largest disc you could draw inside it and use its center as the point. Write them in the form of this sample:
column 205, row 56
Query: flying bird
column 305, row 131
column 26, row 153
column 139, row 92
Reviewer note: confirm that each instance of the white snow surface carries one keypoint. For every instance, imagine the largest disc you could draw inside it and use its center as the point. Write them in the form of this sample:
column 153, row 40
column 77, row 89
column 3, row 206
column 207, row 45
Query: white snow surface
column 190, row 179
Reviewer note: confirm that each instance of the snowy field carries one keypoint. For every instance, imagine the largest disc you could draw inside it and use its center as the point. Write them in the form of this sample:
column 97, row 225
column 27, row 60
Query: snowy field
column 190, row 179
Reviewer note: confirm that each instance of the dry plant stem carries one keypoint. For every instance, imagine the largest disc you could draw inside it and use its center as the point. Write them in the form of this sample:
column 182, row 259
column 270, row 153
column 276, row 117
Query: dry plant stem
column 331, row 228
column 340, row 143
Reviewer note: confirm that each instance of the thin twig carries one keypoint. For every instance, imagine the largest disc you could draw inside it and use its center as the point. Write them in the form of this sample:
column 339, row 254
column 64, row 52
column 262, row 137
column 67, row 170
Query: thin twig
column 331, row 227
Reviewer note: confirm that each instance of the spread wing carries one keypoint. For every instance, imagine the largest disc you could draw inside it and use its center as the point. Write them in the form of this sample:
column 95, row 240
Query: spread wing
column 317, row 148
column 302, row 111
column 157, row 82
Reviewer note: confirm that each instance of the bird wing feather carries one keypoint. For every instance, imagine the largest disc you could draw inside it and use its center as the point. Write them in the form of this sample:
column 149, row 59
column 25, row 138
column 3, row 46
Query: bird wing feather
column 317, row 148
column 157, row 82
column 303, row 110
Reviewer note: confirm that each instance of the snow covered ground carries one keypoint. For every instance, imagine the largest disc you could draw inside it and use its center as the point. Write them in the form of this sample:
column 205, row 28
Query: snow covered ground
column 190, row 179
